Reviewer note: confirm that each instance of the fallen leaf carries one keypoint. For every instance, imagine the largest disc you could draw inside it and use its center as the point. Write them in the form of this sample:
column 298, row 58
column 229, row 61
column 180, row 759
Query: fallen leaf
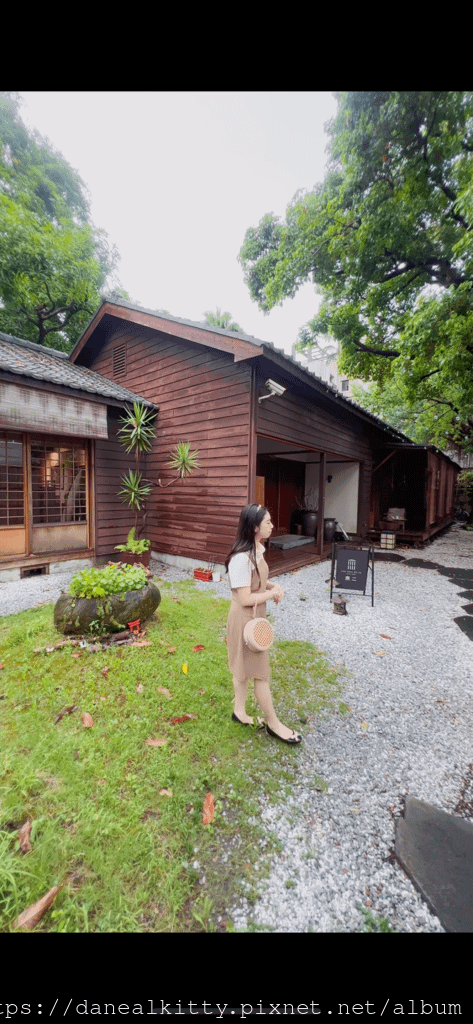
column 155, row 743
column 384, row 636
column 182, row 718
column 184, row 669
column 165, row 792
column 87, row 720
column 380, row 653
column 208, row 809
column 162, row 689
column 30, row 917
column 199, row 647
column 105, row 670
column 24, row 837
column 141, row 643
column 171, row 650
column 77, row 654
column 139, row 688
column 364, row 725
column 2, row 666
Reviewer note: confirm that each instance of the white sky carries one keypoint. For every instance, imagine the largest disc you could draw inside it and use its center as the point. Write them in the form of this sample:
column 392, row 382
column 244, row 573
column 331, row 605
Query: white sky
column 176, row 178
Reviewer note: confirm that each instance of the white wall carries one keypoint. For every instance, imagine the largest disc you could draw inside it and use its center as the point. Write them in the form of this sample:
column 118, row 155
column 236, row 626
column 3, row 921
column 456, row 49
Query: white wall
column 341, row 494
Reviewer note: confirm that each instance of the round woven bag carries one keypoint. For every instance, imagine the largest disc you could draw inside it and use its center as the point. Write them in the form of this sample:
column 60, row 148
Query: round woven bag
column 258, row 633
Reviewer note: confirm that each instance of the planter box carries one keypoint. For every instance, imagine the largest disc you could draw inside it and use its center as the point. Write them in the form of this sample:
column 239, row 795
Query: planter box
column 202, row 574
column 131, row 559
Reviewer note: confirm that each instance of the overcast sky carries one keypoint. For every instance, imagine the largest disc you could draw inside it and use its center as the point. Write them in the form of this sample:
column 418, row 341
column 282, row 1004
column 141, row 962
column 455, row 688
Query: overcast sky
column 175, row 180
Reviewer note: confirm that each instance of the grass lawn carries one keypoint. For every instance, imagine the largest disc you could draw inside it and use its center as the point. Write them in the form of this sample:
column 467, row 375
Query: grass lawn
column 115, row 820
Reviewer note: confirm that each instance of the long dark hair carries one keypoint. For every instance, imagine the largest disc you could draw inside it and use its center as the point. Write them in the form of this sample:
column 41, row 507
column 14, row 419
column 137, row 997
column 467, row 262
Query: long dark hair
column 251, row 517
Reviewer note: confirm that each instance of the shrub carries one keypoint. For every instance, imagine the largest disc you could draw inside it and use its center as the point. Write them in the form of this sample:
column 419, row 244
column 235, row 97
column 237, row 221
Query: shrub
column 111, row 579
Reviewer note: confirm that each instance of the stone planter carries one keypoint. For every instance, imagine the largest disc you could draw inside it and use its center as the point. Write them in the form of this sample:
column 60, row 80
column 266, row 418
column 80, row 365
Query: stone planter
column 75, row 614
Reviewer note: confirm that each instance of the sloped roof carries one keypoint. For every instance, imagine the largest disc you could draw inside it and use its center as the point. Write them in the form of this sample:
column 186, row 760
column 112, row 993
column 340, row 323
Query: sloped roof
column 37, row 362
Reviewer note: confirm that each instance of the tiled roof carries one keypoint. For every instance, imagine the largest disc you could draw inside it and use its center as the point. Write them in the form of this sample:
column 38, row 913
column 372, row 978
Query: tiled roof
column 51, row 366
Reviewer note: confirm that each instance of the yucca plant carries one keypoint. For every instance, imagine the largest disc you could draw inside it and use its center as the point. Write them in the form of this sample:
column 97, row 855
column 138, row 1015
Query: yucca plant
column 136, row 434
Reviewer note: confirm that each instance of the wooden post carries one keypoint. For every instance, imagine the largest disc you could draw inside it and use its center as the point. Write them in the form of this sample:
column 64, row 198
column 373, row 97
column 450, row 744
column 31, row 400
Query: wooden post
column 320, row 521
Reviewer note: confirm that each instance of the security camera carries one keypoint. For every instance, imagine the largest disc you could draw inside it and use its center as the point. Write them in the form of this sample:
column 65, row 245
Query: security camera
column 277, row 389
column 274, row 389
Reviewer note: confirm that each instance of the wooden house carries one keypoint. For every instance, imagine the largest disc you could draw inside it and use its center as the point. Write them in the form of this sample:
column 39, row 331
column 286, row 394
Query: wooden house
column 53, row 414
column 254, row 444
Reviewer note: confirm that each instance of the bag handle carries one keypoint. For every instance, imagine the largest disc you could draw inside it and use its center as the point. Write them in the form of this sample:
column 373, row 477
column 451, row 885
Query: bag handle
column 256, row 601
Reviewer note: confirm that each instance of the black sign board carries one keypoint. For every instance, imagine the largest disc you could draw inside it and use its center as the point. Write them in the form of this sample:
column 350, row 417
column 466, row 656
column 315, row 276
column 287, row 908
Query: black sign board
column 352, row 568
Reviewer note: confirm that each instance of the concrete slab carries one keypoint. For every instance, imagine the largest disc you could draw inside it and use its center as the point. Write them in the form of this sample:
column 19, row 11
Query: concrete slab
column 436, row 850
column 290, row 540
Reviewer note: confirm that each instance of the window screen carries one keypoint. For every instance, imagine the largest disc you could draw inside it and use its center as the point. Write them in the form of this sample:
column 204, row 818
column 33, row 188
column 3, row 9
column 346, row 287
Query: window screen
column 58, row 475
column 12, row 500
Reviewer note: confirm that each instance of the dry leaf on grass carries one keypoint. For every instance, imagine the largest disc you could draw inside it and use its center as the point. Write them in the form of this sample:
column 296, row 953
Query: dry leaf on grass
column 165, row 792
column 29, row 918
column 199, row 647
column 155, row 743
column 208, row 809
column 24, row 837
column 87, row 720
column 105, row 670
column 139, row 688
column 182, row 718
column 162, row 689
column 171, row 650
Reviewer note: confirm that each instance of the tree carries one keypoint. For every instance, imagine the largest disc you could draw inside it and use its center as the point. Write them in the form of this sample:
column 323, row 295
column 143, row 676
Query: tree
column 386, row 239
column 223, row 320
column 53, row 261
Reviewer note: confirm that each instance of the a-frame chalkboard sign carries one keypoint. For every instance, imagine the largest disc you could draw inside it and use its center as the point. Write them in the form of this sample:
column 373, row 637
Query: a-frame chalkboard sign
column 351, row 570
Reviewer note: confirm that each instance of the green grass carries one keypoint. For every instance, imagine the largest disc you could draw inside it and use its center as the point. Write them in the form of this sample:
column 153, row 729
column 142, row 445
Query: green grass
column 129, row 858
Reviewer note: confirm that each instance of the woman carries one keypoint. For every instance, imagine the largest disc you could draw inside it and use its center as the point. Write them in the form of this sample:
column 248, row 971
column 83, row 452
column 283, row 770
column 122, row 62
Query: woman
column 248, row 575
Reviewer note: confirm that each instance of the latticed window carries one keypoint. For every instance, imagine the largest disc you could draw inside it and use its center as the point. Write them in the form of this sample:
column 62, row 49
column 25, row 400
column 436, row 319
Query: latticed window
column 12, row 499
column 58, row 474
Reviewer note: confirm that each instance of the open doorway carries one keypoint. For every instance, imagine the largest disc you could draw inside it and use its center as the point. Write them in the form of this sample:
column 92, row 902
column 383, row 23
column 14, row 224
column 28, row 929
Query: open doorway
column 286, row 473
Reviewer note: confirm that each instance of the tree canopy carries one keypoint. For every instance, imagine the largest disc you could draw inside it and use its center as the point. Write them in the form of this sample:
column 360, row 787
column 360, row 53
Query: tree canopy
column 386, row 239
column 223, row 320
column 53, row 261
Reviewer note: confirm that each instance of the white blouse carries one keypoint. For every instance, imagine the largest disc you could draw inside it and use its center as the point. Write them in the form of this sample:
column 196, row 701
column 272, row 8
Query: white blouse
column 240, row 568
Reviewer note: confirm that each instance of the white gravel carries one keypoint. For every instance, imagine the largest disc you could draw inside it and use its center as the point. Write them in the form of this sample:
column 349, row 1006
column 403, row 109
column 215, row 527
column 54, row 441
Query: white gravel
column 407, row 732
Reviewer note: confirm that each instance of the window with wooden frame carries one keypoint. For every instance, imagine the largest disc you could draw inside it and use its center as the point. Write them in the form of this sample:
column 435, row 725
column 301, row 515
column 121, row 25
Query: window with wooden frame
column 12, row 495
column 59, row 482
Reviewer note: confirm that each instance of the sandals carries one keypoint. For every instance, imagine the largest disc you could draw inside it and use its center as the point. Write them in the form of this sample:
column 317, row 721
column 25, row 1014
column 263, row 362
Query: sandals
column 292, row 740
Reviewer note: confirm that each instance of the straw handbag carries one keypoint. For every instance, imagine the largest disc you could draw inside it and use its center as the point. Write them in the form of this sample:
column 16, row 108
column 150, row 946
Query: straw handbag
column 258, row 633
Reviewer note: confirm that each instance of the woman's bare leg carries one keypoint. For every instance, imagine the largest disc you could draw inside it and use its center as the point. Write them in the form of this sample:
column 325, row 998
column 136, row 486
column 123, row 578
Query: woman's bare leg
column 265, row 701
column 241, row 689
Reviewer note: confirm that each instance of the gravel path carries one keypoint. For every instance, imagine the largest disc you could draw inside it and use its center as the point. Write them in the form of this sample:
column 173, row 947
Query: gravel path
column 408, row 731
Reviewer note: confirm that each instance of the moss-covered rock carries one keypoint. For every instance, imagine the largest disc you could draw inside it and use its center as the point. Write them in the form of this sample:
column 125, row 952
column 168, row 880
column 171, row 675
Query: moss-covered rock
column 76, row 614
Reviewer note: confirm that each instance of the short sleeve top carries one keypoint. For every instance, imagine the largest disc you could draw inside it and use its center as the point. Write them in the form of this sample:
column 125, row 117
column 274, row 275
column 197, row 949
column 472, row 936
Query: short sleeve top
column 240, row 568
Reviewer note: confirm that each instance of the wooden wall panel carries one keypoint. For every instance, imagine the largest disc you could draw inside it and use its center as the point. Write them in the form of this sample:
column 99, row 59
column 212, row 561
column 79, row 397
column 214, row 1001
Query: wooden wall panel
column 204, row 398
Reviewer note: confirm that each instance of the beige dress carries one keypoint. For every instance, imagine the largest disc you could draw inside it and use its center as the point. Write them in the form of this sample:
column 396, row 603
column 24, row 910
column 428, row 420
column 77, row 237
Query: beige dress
column 243, row 663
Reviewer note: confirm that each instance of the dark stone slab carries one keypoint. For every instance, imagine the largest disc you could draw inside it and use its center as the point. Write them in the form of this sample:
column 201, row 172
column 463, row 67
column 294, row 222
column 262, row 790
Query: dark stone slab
column 436, row 850
column 290, row 540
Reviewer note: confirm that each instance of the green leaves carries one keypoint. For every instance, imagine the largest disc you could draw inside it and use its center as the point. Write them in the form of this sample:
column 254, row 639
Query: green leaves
column 53, row 261
column 137, row 430
column 133, row 491
column 387, row 240
column 112, row 579
column 183, row 459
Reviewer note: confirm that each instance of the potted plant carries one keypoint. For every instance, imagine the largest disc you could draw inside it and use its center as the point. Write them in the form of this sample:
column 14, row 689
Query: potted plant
column 135, row 550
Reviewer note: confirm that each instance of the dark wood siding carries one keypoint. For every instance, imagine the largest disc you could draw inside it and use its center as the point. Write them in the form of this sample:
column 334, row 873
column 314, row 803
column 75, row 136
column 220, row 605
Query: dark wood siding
column 204, row 398
column 306, row 423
